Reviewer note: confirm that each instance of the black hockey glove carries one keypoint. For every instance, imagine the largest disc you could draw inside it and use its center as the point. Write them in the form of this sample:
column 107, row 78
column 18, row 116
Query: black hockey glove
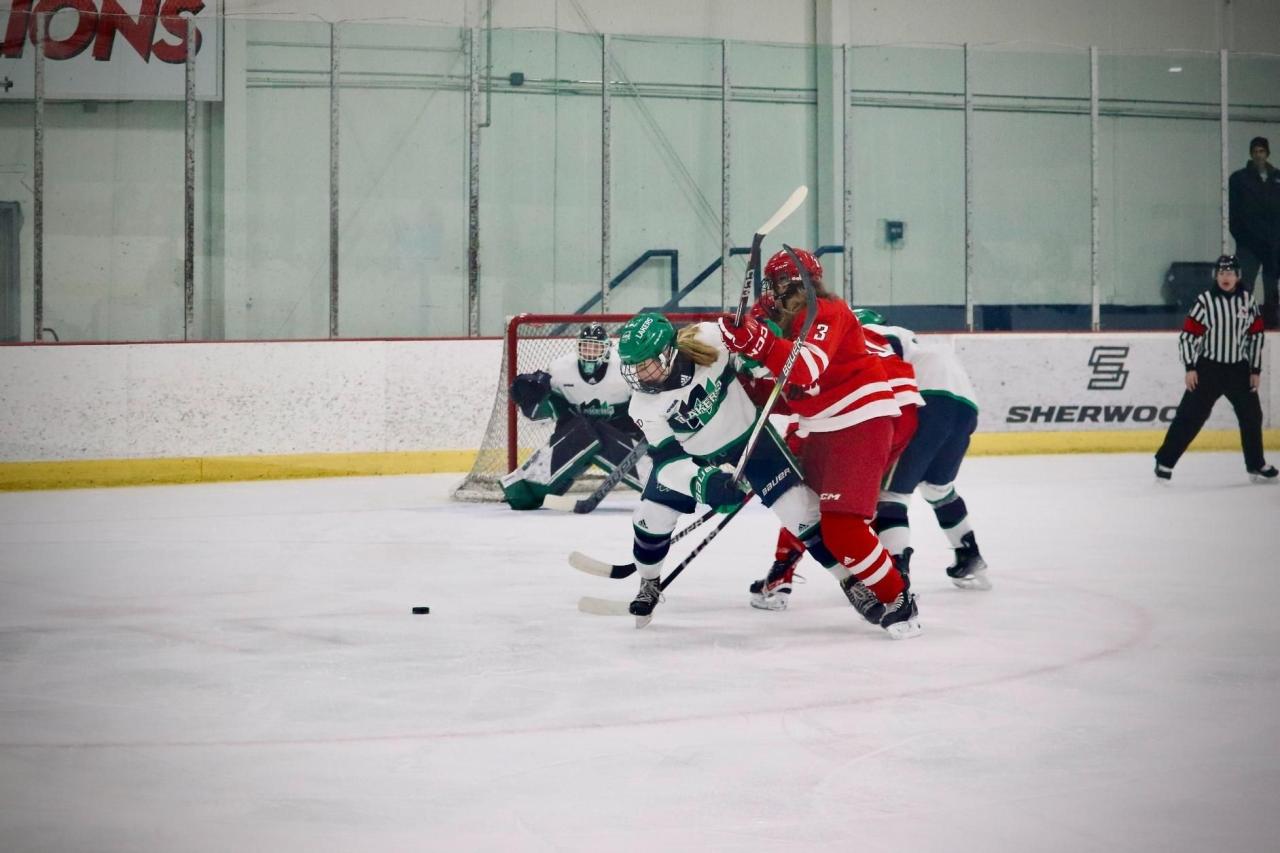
column 717, row 490
column 529, row 390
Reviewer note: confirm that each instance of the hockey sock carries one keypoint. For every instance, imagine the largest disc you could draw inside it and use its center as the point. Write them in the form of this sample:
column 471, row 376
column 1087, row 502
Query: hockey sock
column 852, row 540
column 891, row 523
column 788, row 545
column 953, row 516
column 649, row 550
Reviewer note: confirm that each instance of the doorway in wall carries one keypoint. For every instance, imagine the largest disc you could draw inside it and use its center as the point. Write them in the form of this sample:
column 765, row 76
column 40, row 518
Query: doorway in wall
column 10, row 228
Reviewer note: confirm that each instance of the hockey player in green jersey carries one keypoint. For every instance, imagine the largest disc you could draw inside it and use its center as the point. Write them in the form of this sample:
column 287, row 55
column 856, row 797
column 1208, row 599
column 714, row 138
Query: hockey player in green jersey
column 696, row 418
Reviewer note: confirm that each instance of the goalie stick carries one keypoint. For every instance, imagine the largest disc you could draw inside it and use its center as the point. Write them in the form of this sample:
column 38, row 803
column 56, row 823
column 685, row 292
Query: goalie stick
column 583, row 506
column 789, row 206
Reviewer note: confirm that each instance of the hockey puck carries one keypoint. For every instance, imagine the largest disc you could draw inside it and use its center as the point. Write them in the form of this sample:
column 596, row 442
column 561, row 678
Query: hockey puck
column 421, row 611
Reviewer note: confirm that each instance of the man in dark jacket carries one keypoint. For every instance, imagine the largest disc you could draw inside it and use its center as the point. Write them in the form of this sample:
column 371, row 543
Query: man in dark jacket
column 1255, row 225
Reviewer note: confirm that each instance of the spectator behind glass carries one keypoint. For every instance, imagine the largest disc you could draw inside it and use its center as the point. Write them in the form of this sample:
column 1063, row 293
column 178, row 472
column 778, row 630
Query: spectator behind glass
column 1255, row 225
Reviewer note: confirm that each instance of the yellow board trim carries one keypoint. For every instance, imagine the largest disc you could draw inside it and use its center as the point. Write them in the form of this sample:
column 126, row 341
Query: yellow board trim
column 99, row 473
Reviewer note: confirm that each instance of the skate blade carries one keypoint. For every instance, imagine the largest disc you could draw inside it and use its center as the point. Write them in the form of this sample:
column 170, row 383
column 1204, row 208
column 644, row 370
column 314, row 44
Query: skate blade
column 641, row 621
column 904, row 630
column 769, row 602
column 1261, row 480
column 978, row 581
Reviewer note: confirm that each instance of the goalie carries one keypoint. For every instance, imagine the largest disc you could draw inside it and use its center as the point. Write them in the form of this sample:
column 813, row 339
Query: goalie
column 588, row 398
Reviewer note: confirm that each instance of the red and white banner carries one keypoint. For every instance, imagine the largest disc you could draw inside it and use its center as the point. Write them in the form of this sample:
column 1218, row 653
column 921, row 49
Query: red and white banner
column 111, row 49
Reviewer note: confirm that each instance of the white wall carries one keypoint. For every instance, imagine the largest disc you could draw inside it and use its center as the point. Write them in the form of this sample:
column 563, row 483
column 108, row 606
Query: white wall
column 1123, row 24
column 232, row 399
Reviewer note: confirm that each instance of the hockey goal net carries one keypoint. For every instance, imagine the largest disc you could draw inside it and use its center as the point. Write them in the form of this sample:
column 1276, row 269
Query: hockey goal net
column 531, row 343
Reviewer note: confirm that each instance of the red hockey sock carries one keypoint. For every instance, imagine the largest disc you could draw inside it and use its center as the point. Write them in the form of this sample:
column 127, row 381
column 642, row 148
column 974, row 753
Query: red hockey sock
column 854, row 544
column 788, row 545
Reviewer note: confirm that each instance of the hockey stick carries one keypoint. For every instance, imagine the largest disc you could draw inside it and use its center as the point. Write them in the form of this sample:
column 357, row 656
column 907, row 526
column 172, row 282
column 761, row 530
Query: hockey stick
column 789, row 206
column 612, row 607
column 811, row 313
column 617, row 571
column 591, row 501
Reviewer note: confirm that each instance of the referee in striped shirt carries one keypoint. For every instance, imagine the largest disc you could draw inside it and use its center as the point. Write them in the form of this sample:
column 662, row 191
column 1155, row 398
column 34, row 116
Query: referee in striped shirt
column 1221, row 348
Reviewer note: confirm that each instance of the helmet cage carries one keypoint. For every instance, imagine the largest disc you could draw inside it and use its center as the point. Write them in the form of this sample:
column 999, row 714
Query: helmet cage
column 650, row 376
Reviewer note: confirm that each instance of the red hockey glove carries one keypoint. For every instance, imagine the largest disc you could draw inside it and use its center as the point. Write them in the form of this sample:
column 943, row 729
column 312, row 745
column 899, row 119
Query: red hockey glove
column 752, row 339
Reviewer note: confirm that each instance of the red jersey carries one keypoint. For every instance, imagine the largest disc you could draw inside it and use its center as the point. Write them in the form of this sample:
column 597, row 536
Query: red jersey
column 835, row 382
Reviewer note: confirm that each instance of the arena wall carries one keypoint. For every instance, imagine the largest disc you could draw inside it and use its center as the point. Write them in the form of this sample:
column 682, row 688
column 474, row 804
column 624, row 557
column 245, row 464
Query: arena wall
column 126, row 414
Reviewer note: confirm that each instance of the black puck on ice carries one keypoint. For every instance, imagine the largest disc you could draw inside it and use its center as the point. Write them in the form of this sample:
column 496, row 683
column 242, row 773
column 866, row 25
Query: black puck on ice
column 421, row 611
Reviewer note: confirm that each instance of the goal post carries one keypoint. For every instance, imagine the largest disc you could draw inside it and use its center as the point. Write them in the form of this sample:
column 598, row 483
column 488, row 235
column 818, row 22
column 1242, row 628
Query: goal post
column 531, row 342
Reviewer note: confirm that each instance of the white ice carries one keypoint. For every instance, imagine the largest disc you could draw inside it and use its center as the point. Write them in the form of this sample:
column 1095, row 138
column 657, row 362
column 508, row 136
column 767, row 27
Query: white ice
column 234, row 667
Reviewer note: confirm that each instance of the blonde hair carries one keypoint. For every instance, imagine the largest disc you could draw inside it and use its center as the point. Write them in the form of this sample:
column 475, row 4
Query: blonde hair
column 687, row 342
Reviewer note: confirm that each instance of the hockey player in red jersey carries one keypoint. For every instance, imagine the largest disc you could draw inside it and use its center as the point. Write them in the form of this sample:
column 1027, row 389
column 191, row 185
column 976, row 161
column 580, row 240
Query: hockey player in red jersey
column 846, row 410
column 773, row 591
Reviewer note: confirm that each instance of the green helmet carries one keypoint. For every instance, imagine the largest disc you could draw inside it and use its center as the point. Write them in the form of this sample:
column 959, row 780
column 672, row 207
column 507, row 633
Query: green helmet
column 867, row 316
column 643, row 338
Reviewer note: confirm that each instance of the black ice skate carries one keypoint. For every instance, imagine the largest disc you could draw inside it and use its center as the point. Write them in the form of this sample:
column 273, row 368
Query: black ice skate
column 1265, row 474
column 774, row 590
column 646, row 599
column 901, row 617
column 903, row 561
column 1163, row 473
column 863, row 599
column 969, row 571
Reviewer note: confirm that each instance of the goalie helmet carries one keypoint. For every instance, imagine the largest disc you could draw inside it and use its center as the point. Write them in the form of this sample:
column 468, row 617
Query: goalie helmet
column 866, row 316
column 593, row 348
column 647, row 350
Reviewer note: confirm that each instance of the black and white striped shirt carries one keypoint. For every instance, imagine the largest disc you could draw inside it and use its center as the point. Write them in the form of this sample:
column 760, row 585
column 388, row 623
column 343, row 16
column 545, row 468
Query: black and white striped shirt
column 1225, row 327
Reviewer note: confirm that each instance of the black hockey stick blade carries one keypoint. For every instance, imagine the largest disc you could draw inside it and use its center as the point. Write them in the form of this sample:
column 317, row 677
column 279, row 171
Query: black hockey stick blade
column 585, row 563
column 788, row 207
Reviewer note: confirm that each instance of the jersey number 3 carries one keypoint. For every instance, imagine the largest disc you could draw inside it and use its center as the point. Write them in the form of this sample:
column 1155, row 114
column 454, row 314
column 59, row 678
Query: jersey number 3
column 820, row 332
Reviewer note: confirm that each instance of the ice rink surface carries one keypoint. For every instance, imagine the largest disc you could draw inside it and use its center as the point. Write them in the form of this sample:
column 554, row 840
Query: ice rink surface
column 235, row 667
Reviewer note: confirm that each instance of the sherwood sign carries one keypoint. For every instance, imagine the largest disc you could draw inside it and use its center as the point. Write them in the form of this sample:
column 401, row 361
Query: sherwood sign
column 1078, row 382
column 111, row 49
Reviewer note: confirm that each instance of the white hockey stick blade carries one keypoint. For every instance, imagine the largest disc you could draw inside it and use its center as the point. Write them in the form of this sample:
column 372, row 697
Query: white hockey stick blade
column 561, row 503
column 604, row 606
column 788, row 207
column 592, row 566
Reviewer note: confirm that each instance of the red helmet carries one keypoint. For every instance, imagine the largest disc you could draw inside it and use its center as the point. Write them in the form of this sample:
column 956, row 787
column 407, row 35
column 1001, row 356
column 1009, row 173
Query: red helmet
column 781, row 267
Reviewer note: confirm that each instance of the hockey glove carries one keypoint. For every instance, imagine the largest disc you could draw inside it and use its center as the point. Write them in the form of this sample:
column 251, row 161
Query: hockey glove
column 752, row 339
column 528, row 392
column 716, row 489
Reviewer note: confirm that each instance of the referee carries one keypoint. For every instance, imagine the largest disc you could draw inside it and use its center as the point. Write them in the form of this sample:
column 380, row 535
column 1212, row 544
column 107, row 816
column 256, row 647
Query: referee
column 1221, row 348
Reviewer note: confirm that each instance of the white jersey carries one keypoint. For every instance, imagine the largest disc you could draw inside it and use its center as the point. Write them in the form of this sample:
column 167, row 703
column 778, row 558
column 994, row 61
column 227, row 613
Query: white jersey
column 703, row 417
column 938, row 370
column 603, row 398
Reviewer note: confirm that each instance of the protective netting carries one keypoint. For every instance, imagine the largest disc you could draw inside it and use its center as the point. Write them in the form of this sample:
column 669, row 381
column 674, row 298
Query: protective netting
column 531, row 343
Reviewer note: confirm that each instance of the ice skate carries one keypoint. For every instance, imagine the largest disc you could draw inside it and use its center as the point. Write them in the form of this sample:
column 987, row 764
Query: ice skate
column 969, row 571
column 863, row 599
column 645, row 601
column 903, row 561
column 901, row 617
column 1163, row 474
column 1265, row 474
column 774, row 590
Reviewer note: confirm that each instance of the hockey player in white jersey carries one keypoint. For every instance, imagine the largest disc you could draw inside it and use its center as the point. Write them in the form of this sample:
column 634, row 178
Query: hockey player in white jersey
column 588, row 397
column 932, row 459
column 697, row 417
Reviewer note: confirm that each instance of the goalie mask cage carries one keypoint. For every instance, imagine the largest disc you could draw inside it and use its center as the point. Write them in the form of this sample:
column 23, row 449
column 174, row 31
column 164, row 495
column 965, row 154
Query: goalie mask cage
column 531, row 343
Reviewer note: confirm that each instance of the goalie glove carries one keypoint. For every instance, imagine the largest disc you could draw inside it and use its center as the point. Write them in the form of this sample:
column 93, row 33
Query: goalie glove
column 716, row 489
column 529, row 391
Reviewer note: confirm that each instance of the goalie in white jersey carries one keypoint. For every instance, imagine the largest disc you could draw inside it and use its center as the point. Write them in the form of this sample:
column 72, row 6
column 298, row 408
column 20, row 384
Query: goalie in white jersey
column 697, row 417
column 588, row 397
